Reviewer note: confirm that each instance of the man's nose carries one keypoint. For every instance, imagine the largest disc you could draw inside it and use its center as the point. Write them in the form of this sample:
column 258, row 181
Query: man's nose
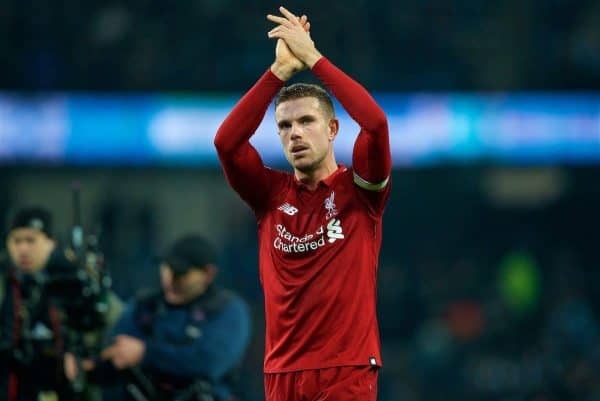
column 296, row 132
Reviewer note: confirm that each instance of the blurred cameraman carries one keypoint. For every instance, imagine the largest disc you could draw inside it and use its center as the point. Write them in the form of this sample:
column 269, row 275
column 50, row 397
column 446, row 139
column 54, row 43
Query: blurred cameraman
column 44, row 313
column 184, row 342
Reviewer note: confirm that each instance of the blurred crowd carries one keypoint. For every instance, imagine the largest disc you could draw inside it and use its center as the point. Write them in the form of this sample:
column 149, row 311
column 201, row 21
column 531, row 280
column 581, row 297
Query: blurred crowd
column 516, row 331
column 222, row 44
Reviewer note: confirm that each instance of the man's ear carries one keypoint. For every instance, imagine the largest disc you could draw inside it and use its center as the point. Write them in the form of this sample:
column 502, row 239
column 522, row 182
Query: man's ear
column 334, row 127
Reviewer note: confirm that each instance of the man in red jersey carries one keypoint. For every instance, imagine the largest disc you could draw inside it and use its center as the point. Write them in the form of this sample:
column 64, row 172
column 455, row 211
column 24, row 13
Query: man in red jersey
column 319, row 228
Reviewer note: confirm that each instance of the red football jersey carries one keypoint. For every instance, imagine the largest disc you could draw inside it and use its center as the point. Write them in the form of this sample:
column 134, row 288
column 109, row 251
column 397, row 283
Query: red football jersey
column 318, row 249
column 318, row 254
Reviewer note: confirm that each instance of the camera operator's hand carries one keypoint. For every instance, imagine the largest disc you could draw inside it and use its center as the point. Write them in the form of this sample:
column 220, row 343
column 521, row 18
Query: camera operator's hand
column 72, row 367
column 125, row 352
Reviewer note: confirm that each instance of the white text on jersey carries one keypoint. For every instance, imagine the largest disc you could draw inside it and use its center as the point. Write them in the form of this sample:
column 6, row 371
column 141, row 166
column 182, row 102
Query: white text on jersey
column 291, row 243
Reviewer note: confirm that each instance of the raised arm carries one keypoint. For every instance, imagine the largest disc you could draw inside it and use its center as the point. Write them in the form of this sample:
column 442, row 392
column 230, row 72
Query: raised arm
column 371, row 157
column 241, row 162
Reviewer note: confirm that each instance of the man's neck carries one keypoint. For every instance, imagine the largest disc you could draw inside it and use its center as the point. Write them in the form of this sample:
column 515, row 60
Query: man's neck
column 311, row 179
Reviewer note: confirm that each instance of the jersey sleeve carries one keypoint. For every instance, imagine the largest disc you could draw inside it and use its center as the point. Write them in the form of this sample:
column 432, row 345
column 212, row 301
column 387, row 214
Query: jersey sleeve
column 374, row 201
column 371, row 157
column 241, row 162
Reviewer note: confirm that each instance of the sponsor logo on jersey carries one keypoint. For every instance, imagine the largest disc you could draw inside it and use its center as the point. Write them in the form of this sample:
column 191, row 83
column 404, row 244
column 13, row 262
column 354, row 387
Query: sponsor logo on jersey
column 334, row 230
column 288, row 209
column 291, row 243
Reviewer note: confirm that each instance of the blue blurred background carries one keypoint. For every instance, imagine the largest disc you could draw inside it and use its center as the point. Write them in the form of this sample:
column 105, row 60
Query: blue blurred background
column 489, row 265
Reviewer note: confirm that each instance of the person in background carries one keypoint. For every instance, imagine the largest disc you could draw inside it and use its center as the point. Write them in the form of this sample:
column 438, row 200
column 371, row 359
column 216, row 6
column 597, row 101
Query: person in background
column 44, row 313
column 185, row 340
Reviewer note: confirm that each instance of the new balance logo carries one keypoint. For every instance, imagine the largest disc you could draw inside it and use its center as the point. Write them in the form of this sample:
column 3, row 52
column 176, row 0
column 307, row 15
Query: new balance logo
column 288, row 209
column 334, row 230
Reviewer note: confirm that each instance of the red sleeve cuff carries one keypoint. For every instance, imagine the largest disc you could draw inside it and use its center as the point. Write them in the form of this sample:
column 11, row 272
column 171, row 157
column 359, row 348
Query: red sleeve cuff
column 318, row 65
column 272, row 78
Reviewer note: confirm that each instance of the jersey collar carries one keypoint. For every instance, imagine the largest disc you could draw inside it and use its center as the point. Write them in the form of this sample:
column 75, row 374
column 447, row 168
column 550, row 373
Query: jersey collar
column 327, row 182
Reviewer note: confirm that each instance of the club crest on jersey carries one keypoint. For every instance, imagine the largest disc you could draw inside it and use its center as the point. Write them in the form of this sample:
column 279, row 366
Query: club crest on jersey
column 288, row 209
column 330, row 206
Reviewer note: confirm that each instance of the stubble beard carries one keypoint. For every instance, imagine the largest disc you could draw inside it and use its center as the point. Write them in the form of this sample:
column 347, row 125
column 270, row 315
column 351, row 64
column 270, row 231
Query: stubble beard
column 307, row 167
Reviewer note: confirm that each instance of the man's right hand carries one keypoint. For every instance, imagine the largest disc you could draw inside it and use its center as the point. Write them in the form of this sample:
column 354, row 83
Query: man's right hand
column 286, row 64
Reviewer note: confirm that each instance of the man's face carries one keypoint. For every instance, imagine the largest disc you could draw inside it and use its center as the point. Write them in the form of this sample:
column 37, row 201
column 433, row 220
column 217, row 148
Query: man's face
column 29, row 249
column 306, row 132
column 181, row 289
